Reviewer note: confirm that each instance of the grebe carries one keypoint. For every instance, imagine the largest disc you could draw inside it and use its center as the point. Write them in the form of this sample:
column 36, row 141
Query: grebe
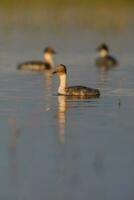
column 105, row 59
column 40, row 65
column 79, row 91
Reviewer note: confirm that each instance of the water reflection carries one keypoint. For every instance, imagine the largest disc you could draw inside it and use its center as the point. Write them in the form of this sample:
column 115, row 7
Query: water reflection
column 71, row 102
column 48, row 88
column 103, row 77
column 62, row 106
column 15, row 132
column 14, row 174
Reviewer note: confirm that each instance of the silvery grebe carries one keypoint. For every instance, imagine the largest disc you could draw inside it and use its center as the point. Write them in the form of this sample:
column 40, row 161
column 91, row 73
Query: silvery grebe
column 79, row 91
column 105, row 59
column 40, row 65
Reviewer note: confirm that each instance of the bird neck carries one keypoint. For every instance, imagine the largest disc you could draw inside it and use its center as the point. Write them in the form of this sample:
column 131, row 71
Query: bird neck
column 103, row 53
column 63, row 84
column 49, row 58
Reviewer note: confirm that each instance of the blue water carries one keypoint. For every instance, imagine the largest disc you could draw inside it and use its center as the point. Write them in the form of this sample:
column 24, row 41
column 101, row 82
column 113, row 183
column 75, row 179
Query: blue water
column 57, row 148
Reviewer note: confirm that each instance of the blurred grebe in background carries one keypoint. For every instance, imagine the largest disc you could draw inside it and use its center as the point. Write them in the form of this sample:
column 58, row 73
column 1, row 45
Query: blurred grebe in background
column 47, row 64
column 105, row 59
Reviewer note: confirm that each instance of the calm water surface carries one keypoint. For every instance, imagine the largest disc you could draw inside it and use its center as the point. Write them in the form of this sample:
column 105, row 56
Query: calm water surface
column 56, row 148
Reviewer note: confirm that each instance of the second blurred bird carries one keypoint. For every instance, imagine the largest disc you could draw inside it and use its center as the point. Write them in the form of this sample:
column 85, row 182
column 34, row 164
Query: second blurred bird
column 36, row 65
column 105, row 59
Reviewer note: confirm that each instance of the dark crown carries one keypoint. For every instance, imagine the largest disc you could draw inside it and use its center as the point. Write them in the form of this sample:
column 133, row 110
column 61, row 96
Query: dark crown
column 49, row 50
column 103, row 46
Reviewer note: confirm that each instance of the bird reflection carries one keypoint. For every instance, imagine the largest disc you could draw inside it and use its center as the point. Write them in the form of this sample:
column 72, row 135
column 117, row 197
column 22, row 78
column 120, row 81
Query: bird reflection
column 70, row 102
column 103, row 77
column 48, row 78
column 48, row 87
column 104, row 74
column 62, row 117
column 15, row 133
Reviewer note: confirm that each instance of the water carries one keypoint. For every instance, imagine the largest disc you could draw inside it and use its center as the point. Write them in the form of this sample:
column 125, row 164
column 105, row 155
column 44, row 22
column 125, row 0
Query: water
column 58, row 148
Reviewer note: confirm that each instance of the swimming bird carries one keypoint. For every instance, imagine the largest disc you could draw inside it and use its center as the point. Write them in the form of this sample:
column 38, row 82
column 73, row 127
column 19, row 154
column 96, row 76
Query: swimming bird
column 79, row 91
column 47, row 64
column 105, row 59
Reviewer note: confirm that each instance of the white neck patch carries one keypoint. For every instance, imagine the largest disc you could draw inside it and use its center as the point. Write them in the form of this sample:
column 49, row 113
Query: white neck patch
column 48, row 58
column 103, row 53
column 63, row 84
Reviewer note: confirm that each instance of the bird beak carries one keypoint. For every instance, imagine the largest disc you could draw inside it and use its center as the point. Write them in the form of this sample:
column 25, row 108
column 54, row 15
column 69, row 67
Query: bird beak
column 54, row 72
